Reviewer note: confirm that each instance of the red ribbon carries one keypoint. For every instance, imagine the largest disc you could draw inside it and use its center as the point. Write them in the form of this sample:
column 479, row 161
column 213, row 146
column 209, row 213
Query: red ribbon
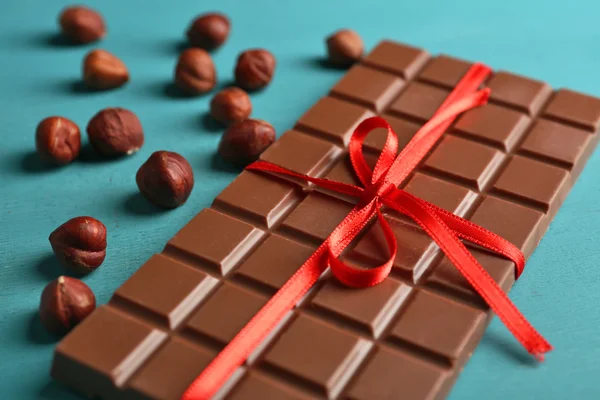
column 380, row 189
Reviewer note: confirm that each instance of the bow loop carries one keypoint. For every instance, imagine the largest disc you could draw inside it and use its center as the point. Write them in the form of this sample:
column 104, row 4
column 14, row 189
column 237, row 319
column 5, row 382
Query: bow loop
column 386, row 158
column 360, row 277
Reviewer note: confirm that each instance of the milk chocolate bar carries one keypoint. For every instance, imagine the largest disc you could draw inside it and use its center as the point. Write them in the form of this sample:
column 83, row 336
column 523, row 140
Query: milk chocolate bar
column 506, row 166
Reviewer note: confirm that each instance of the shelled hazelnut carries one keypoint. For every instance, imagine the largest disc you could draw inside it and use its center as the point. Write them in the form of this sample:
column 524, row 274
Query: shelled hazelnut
column 195, row 71
column 82, row 24
column 103, row 70
column 64, row 303
column 209, row 31
column 231, row 105
column 254, row 69
column 80, row 244
column 243, row 142
column 166, row 179
column 115, row 132
column 57, row 140
column 344, row 47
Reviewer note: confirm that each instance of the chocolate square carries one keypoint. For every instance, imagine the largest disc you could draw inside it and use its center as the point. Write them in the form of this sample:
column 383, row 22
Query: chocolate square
column 215, row 240
column 574, row 108
column 522, row 226
column 225, row 313
column 444, row 71
column 524, row 94
column 498, row 126
column 448, row 330
column 316, row 217
column 368, row 87
column 556, row 142
column 327, row 363
column 397, row 58
column 301, row 153
column 464, row 160
column 333, row 119
column 544, row 186
column 267, row 207
column 168, row 289
column 453, row 198
column 371, row 309
column 418, row 101
column 274, row 262
column 391, row 371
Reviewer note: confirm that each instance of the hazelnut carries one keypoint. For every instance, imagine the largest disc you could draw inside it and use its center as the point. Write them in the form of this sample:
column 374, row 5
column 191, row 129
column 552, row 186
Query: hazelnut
column 166, row 179
column 115, row 132
column 102, row 70
column 344, row 47
column 254, row 69
column 195, row 71
column 243, row 142
column 231, row 105
column 209, row 31
column 57, row 140
column 80, row 244
column 65, row 302
column 82, row 24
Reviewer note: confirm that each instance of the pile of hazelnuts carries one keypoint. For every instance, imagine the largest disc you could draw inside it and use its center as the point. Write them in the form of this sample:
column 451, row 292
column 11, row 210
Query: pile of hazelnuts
column 166, row 179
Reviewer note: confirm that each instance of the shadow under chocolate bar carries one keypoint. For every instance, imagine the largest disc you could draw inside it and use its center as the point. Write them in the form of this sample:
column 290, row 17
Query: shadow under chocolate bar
column 506, row 166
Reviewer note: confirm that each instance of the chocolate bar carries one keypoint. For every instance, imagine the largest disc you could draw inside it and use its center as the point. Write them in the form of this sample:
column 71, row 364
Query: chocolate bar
column 506, row 166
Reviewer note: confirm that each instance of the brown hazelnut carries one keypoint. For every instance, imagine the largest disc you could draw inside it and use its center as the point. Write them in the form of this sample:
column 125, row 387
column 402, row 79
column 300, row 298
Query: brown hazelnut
column 102, row 70
column 254, row 69
column 80, row 244
column 231, row 105
column 166, row 179
column 209, row 31
column 57, row 140
column 115, row 132
column 195, row 72
column 344, row 47
column 243, row 142
column 82, row 24
column 64, row 303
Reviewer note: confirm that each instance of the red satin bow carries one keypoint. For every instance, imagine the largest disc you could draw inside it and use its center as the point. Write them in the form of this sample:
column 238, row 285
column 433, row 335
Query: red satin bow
column 380, row 189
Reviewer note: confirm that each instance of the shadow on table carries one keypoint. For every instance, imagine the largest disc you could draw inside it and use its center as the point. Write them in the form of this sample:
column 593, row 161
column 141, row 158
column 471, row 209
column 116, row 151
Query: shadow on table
column 53, row 390
column 54, row 40
column 88, row 155
column 37, row 333
column 508, row 347
column 77, row 86
column 173, row 46
column 322, row 63
column 31, row 163
column 136, row 204
column 218, row 164
column 208, row 123
column 48, row 268
column 170, row 90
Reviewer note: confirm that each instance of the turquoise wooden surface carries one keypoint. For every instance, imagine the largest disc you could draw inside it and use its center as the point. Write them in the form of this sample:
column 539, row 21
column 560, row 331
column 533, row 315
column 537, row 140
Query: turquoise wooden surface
column 39, row 77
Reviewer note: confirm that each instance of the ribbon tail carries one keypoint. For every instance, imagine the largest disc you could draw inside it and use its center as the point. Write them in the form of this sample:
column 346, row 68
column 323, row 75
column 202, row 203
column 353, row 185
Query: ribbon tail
column 482, row 237
column 240, row 347
column 286, row 298
column 478, row 277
